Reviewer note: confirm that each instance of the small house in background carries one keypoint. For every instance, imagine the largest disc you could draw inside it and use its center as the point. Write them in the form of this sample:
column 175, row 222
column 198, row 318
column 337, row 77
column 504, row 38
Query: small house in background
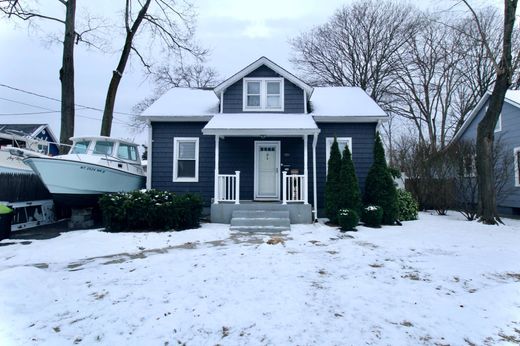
column 18, row 135
column 507, row 132
column 257, row 145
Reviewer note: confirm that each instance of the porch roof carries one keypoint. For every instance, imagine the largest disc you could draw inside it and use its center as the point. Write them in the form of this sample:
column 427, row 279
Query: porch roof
column 261, row 124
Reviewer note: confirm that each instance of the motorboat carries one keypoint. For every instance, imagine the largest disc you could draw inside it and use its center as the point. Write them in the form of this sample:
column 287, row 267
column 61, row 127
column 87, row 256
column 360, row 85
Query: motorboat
column 93, row 166
column 15, row 147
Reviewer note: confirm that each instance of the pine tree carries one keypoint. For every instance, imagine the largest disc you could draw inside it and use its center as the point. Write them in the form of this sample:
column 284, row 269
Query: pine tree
column 379, row 187
column 349, row 186
column 333, row 196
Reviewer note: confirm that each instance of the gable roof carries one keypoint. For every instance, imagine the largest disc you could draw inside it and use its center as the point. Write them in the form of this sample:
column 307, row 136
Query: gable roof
column 330, row 102
column 256, row 64
column 512, row 97
column 26, row 130
column 184, row 103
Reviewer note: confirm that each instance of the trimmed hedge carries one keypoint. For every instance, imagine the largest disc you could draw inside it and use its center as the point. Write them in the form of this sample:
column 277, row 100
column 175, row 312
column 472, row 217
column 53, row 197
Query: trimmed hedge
column 150, row 210
column 372, row 216
column 408, row 206
column 348, row 219
column 333, row 191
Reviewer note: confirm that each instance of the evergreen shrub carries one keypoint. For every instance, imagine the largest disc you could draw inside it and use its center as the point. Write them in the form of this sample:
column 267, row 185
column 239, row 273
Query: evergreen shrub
column 348, row 219
column 372, row 216
column 150, row 210
column 379, row 186
column 333, row 191
column 408, row 206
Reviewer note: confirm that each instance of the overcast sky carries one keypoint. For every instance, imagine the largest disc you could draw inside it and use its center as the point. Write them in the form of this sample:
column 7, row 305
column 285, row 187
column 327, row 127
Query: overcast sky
column 237, row 32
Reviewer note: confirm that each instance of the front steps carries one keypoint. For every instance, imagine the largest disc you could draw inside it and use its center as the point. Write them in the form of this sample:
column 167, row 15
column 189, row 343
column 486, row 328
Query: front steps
column 261, row 220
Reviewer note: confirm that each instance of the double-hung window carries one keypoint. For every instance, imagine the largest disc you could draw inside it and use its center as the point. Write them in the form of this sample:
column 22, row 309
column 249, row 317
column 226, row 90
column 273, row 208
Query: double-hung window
column 185, row 159
column 342, row 143
column 263, row 94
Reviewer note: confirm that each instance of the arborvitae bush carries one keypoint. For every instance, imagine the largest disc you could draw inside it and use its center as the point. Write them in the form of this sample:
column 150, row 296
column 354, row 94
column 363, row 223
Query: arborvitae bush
column 408, row 206
column 372, row 216
column 150, row 210
column 348, row 219
column 379, row 186
column 349, row 186
column 333, row 191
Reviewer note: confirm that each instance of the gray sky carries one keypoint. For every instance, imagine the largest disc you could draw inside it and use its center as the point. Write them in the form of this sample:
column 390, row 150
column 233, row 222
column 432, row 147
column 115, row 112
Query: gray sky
column 236, row 31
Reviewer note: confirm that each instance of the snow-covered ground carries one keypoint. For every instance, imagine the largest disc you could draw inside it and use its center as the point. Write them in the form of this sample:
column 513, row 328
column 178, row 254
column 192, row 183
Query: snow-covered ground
column 436, row 281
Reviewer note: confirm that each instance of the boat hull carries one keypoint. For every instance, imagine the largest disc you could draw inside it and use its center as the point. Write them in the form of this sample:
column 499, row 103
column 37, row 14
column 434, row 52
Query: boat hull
column 79, row 184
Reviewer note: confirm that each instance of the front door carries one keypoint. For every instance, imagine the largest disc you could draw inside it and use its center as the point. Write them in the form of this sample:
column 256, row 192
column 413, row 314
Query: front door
column 267, row 170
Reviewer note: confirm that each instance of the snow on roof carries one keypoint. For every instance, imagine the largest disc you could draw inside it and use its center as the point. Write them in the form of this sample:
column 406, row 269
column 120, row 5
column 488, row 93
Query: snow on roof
column 513, row 95
column 343, row 101
column 184, row 102
column 261, row 123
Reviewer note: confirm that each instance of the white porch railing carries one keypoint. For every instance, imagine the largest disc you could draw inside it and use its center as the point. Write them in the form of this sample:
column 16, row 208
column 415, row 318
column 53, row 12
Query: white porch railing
column 293, row 187
column 228, row 187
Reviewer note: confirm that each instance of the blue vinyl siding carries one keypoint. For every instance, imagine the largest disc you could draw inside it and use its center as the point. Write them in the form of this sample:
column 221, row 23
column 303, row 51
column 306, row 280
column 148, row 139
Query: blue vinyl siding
column 237, row 154
column 363, row 137
column 162, row 158
column 509, row 138
column 293, row 95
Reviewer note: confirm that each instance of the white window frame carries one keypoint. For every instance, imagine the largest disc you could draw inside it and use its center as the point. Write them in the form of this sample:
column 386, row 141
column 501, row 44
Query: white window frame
column 263, row 95
column 328, row 145
column 498, row 126
column 515, row 168
column 176, row 141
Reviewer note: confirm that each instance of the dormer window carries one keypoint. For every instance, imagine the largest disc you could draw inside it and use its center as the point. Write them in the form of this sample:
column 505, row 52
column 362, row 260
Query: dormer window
column 263, row 94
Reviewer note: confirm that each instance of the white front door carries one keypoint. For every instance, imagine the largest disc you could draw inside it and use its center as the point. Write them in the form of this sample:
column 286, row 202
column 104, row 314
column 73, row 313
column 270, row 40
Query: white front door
column 267, row 170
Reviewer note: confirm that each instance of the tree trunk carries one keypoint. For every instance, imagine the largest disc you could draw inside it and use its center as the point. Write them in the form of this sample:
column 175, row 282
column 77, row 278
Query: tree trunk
column 67, row 74
column 108, row 113
column 486, row 127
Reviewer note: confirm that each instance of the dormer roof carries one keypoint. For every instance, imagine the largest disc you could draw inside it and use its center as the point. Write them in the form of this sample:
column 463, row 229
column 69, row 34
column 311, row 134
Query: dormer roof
column 256, row 64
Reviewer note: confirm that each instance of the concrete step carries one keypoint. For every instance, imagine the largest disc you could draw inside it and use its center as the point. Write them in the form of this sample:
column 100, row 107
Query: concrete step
column 261, row 222
column 260, row 214
column 260, row 229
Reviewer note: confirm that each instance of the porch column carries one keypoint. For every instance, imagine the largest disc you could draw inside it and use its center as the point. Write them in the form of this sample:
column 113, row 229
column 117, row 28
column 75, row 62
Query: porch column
column 215, row 193
column 314, row 187
column 305, row 171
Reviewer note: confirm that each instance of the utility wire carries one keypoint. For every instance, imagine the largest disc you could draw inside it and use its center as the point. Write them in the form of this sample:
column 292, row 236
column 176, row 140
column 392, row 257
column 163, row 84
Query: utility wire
column 57, row 100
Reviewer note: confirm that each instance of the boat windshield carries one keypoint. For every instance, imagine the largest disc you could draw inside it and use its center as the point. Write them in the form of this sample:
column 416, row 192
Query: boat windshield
column 127, row 152
column 103, row 148
column 80, row 147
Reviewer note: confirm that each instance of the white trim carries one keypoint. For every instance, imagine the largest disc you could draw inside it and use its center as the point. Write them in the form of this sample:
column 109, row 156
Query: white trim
column 260, row 132
column 498, row 126
column 314, row 179
column 256, row 64
column 328, row 144
column 176, row 140
column 262, row 94
column 217, row 151
column 517, row 173
column 178, row 118
column 149, row 157
column 256, row 166
column 304, row 101
column 221, row 110
column 305, row 170
column 348, row 118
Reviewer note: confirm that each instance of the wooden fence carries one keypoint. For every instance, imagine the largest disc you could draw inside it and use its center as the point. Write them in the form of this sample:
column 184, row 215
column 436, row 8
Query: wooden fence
column 22, row 187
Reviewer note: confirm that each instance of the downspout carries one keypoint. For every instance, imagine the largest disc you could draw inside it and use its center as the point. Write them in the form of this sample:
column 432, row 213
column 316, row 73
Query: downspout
column 149, row 156
column 314, row 187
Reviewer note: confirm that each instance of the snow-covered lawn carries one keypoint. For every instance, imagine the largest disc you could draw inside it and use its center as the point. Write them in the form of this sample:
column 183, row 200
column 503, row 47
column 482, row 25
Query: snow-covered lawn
column 436, row 281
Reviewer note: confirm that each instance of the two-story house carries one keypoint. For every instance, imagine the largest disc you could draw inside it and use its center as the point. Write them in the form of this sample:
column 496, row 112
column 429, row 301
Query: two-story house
column 259, row 140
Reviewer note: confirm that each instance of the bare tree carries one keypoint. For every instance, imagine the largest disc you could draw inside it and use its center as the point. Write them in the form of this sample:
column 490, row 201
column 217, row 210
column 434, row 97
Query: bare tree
column 485, row 131
column 14, row 8
column 359, row 46
column 167, row 77
column 167, row 23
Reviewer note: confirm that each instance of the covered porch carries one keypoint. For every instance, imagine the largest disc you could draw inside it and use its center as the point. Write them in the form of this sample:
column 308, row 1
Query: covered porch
column 262, row 161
